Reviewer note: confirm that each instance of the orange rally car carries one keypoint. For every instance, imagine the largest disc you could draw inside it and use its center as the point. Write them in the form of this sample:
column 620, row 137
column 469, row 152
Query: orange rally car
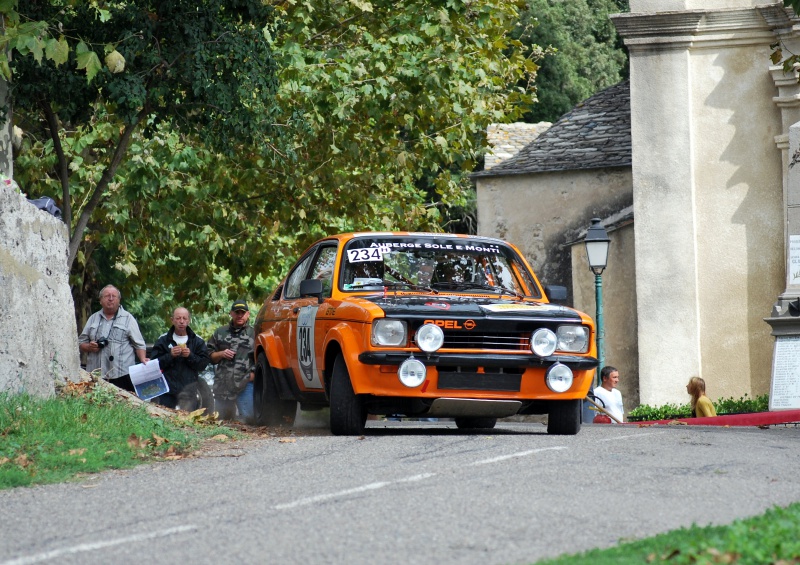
column 423, row 325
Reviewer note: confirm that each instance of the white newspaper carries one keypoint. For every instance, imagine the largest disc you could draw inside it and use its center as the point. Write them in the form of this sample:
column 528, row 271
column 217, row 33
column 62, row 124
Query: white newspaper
column 148, row 380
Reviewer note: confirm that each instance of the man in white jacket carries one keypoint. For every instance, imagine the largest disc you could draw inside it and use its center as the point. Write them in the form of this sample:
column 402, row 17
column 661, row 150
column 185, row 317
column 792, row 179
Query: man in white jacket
column 112, row 341
column 607, row 393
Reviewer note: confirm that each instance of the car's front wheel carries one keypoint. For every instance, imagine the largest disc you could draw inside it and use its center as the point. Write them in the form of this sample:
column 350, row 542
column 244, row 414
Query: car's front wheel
column 485, row 423
column 268, row 408
column 564, row 417
column 348, row 413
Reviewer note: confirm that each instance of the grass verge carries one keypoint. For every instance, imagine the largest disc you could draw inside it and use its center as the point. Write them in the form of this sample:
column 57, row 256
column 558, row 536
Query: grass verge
column 58, row 439
column 769, row 538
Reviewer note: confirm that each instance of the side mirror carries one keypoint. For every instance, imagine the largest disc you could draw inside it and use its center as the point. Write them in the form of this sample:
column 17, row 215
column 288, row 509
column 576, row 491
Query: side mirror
column 555, row 293
column 311, row 287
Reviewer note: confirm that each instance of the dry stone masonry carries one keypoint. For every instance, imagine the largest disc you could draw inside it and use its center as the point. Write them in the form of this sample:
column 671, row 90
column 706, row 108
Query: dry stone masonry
column 38, row 333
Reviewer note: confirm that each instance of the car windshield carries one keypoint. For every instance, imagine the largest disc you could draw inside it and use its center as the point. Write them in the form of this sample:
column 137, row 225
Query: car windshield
column 434, row 264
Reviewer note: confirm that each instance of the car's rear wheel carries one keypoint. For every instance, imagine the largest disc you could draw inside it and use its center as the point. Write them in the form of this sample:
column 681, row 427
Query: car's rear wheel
column 206, row 395
column 268, row 408
column 348, row 413
column 485, row 423
column 564, row 417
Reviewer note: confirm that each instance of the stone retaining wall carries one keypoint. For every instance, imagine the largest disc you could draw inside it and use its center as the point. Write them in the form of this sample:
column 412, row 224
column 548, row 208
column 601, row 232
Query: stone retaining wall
column 38, row 334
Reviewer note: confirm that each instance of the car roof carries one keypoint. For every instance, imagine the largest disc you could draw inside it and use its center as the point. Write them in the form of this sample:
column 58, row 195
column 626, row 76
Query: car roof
column 351, row 235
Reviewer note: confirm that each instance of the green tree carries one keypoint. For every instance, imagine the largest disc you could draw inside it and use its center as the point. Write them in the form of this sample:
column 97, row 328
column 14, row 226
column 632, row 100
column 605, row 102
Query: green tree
column 174, row 70
column 347, row 107
column 788, row 59
column 583, row 53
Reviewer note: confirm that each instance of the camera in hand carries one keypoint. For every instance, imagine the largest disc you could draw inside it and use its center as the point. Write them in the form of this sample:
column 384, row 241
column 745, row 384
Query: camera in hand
column 102, row 342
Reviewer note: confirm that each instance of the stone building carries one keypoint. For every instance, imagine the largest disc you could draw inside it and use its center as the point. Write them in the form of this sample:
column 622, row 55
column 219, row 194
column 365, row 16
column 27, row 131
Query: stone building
column 542, row 200
column 708, row 182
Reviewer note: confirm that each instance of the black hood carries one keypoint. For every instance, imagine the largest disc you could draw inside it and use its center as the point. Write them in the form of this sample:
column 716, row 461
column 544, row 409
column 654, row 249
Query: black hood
column 448, row 306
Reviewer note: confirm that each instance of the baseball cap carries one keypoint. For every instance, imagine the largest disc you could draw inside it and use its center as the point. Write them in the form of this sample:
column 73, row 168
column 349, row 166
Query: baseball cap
column 240, row 305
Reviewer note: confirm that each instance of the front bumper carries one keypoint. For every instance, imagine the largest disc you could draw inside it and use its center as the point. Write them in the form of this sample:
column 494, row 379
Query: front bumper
column 486, row 360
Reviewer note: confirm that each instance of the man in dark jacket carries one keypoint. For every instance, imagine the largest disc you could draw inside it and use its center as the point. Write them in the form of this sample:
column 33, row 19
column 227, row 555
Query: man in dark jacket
column 181, row 354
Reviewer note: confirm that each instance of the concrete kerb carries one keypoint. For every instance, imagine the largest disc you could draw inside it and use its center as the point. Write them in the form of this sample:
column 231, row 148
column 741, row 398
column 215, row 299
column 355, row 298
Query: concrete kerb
column 755, row 419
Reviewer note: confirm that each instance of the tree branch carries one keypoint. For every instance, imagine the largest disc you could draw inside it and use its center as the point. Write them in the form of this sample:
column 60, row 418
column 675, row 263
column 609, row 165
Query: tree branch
column 102, row 184
column 63, row 166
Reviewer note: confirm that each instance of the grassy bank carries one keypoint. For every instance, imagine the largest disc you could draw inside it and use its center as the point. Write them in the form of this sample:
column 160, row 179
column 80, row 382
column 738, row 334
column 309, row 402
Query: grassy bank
column 85, row 431
column 769, row 538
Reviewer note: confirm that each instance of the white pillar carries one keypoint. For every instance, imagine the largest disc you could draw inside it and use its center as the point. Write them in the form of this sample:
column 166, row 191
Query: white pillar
column 707, row 194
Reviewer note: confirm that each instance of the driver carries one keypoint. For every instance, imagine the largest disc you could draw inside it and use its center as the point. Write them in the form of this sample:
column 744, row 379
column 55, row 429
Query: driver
column 366, row 274
column 368, row 270
column 425, row 273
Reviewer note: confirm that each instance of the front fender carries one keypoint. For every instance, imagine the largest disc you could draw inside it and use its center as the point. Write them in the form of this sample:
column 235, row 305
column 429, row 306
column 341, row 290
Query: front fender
column 272, row 347
column 351, row 343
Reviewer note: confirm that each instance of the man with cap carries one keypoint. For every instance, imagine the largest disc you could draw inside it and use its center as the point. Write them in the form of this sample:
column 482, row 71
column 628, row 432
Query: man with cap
column 231, row 349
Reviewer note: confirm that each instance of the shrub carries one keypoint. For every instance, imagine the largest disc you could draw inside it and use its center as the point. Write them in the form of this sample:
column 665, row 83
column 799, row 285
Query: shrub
column 644, row 412
column 743, row 405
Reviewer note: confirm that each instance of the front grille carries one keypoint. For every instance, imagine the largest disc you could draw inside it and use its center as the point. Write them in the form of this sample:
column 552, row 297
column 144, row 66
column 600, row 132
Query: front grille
column 506, row 341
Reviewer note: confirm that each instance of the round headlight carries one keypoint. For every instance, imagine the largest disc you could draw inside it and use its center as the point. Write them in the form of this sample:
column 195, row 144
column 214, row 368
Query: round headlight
column 573, row 339
column 430, row 338
column 411, row 372
column 389, row 332
column 559, row 378
column 543, row 342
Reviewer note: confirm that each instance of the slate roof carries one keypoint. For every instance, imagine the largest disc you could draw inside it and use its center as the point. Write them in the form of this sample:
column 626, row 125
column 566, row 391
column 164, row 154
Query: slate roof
column 612, row 223
column 594, row 134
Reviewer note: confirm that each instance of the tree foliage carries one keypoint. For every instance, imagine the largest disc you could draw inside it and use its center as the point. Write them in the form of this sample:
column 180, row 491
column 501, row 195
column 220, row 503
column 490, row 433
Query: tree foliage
column 583, row 53
column 203, row 67
column 236, row 134
column 781, row 54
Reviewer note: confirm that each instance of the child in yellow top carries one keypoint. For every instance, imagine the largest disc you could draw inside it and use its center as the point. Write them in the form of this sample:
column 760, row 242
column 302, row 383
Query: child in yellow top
column 701, row 405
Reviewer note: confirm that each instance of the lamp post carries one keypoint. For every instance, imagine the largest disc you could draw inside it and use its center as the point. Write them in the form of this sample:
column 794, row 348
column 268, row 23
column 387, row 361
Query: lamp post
column 597, row 243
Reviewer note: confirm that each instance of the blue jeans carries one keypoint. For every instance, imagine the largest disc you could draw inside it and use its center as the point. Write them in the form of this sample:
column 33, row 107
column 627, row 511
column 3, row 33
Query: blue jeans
column 244, row 403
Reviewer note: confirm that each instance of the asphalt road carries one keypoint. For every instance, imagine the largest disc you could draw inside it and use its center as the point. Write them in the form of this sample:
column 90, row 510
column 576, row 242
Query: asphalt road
column 406, row 492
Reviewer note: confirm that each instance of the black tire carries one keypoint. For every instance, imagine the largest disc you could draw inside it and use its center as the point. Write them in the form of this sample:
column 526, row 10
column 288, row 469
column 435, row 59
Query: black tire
column 268, row 408
column 206, row 396
column 564, row 418
column 348, row 413
column 484, row 423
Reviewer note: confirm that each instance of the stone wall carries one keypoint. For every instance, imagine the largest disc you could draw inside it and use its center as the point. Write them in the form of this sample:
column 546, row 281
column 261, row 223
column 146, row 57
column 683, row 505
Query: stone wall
column 619, row 302
column 506, row 140
column 540, row 212
column 38, row 334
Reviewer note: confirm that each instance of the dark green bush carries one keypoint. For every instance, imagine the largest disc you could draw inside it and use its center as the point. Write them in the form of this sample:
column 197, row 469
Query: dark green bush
column 645, row 413
column 743, row 405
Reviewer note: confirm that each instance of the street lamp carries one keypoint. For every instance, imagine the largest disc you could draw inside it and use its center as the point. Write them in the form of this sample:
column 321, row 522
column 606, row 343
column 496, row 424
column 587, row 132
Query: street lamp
column 597, row 243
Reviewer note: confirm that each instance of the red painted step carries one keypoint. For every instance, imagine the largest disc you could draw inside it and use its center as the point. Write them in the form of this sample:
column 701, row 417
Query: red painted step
column 752, row 419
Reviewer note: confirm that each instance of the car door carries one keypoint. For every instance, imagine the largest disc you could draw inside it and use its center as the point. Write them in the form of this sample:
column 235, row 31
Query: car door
column 306, row 337
column 286, row 313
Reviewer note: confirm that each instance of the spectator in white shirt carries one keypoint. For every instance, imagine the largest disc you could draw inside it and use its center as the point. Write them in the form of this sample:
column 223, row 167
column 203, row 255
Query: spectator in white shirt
column 607, row 393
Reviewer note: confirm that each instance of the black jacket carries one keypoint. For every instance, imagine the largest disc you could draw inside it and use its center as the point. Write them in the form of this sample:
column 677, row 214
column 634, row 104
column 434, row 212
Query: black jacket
column 180, row 371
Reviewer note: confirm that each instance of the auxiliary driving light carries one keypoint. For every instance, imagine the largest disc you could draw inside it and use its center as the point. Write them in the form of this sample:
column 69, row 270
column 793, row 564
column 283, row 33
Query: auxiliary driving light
column 430, row 338
column 411, row 372
column 559, row 378
column 543, row 342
